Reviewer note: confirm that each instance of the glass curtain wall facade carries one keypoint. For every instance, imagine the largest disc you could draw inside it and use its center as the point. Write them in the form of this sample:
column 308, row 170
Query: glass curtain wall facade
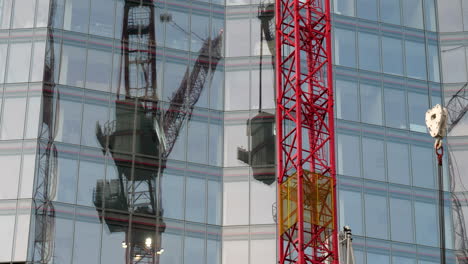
column 453, row 26
column 142, row 131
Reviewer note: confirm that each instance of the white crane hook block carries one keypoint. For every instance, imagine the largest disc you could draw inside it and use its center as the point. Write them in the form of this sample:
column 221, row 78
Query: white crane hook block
column 436, row 121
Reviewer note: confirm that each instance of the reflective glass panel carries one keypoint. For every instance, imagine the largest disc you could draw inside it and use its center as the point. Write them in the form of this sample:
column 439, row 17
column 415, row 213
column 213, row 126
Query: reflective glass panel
column 418, row 105
column 195, row 199
column 348, row 146
column 392, row 55
column 398, row 163
column 369, row 52
column 73, row 62
column 76, row 15
column 86, row 246
column 11, row 172
column 18, row 62
column 351, row 210
column 344, row 7
column 5, row 13
column 423, row 168
column 346, row 97
column 401, row 215
column 13, row 124
column 371, row 103
column 415, row 59
column 7, row 229
column 102, row 18
column 98, row 70
column 376, row 215
column 390, row 12
column 38, row 60
column 345, row 47
column 373, row 159
column 23, row 15
column 426, row 223
column 91, row 170
column 367, row 9
column 172, row 188
column 412, row 13
column 395, row 108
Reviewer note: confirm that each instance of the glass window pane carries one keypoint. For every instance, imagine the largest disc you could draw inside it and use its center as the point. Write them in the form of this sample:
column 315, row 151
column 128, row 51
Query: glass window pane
column 177, row 36
column 73, row 63
column 261, row 251
column 398, row 163
column 415, row 59
column 68, row 118
column 102, row 18
column 450, row 16
column 172, row 240
column 90, row 172
column 38, row 60
column 3, row 60
column 395, row 108
column 418, row 105
column 10, row 165
column 5, row 13
column 351, row 210
column 200, row 30
column 197, row 143
column 98, row 70
column 23, row 15
column 67, row 175
column 344, row 7
column 426, row 223
column 237, row 83
column 369, row 54
column 95, row 114
column 392, row 53
column 345, row 47
column 174, row 73
column 34, row 110
column 236, row 202
column 401, row 220
column 412, row 13
column 235, row 128
column 423, row 168
column 367, row 9
column 390, row 11
column 76, row 15
column 7, row 229
column 42, row 15
column 215, row 151
column 194, row 246
column 376, row 216
column 86, row 245
column 374, row 159
column 371, row 103
column 18, row 62
column 23, row 224
column 349, row 146
column 195, row 199
column 237, row 29
column 262, row 198
column 27, row 175
column 374, row 257
column 433, row 62
column 430, row 15
column 453, row 63
column 235, row 252
column 214, row 200
column 172, row 186
column 346, row 97
column 13, row 125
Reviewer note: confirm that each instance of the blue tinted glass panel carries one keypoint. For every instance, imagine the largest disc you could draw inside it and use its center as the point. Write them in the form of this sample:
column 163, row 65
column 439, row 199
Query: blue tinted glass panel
column 367, row 9
column 418, row 104
column 395, row 108
column 412, row 13
column 98, row 70
column 348, row 146
column 423, row 168
column 195, row 199
column 376, row 216
column 429, row 15
column 344, row 7
column 76, row 15
column 415, row 59
column 398, row 163
column 401, row 220
column 73, row 64
column 86, row 246
column 102, row 18
column 392, row 55
column 433, row 62
column 351, row 210
column 345, row 47
column 426, row 223
column 390, row 11
column 90, row 172
column 371, row 103
column 346, row 97
column 172, row 188
column 373, row 159
column 369, row 53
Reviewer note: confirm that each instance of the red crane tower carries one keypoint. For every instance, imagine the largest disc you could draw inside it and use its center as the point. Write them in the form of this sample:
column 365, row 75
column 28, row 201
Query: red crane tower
column 305, row 133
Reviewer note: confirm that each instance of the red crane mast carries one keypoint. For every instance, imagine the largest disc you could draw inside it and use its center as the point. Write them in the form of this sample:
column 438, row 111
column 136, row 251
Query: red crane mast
column 307, row 227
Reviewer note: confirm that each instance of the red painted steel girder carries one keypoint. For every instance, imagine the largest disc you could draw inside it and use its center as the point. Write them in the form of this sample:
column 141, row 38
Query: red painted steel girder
column 305, row 125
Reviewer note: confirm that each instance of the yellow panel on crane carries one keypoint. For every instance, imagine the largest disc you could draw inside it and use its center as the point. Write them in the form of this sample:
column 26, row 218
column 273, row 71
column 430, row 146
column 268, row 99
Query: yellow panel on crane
column 317, row 199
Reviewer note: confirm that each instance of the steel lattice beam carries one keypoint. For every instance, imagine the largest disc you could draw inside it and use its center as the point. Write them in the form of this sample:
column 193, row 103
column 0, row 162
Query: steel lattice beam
column 305, row 128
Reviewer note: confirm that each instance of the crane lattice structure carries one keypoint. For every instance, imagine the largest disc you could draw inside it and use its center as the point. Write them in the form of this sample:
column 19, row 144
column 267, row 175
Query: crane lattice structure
column 305, row 133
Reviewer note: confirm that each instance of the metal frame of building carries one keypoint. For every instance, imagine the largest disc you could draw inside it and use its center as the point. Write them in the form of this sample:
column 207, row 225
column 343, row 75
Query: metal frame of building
column 305, row 133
